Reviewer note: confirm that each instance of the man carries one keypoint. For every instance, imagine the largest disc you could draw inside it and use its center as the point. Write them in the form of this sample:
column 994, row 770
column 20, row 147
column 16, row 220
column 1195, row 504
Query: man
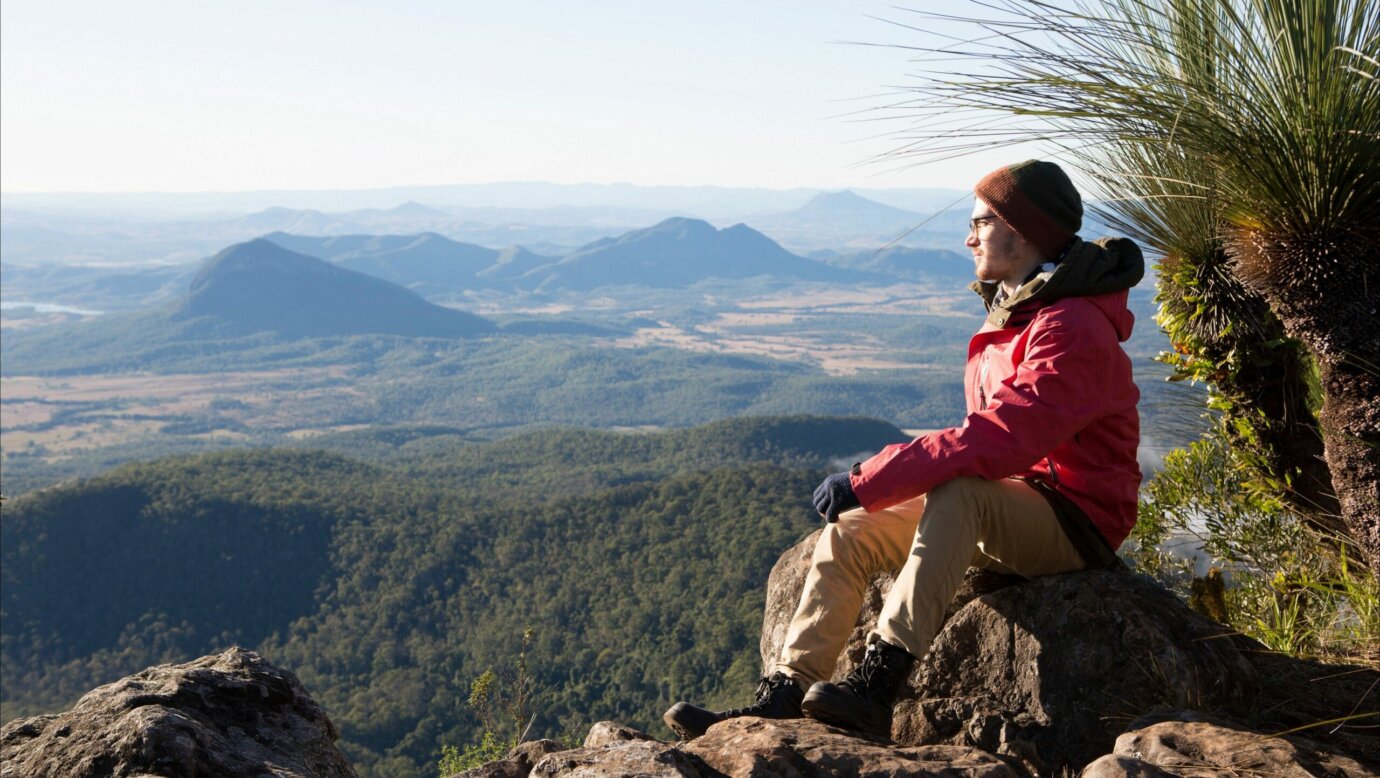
column 1040, row 478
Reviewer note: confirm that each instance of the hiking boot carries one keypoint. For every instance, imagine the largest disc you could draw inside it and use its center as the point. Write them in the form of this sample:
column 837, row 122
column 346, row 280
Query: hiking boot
column 862, row 702
column 778, row 697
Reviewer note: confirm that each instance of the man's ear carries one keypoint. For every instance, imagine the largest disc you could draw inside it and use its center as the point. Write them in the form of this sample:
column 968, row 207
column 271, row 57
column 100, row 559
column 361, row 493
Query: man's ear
column 1029, row 252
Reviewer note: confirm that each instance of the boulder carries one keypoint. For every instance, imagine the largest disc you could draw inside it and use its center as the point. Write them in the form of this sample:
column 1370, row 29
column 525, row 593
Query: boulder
column 499, row 768
column 643, row 758
column 529, row 753
column 1048, row 671
column 517, row 763
column 1201, row 747
column 787, row 579
column 757, row 748
column 1053, row 670
column 605, row 732
column 231, row 714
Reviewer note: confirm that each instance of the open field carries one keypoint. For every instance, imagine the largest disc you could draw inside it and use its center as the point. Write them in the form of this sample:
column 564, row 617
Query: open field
column 834, row 358
column 58, row 417
column 807, row 328
column 157, row 388
column 900, row 300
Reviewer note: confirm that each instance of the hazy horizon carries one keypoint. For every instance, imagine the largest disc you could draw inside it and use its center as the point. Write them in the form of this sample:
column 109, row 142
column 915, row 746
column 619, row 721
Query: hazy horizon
column 144, row 98
column 533, row 196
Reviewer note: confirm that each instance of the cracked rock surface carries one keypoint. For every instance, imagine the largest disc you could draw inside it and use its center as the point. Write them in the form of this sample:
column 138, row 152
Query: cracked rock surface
column 230, row 714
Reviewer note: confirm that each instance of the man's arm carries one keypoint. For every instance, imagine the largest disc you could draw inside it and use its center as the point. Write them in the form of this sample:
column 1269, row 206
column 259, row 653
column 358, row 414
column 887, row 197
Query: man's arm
column 1056, row 391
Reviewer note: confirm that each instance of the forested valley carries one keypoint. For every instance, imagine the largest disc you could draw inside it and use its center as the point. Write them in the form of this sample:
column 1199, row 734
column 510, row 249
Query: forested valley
column 389, row 577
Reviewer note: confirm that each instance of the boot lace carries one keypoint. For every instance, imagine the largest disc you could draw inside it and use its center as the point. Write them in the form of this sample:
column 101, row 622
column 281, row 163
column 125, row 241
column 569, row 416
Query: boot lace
column 870, row 677
column 767, row 689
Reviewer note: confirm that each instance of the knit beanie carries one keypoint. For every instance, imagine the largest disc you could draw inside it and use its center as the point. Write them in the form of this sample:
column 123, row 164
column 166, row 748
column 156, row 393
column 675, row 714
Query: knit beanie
column 1037, row 200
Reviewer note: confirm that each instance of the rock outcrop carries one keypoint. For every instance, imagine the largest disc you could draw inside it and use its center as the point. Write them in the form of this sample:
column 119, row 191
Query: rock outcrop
column 760, row 747
column 1187, row 743
column 642, row 758
column 1049, row 671
column 231, row 714
column 606, row 732
column 756, row 747
column 1052, row 671
column 1090, row 671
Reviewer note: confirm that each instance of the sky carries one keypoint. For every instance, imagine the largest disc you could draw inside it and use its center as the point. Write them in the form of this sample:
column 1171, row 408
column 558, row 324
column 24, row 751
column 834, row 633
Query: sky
column 143, row 96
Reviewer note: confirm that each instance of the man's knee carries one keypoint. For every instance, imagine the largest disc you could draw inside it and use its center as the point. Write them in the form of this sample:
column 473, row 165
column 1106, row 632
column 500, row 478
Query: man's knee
column 953, row 514
column 846, row 538
column 957, row 498
column 854, row 541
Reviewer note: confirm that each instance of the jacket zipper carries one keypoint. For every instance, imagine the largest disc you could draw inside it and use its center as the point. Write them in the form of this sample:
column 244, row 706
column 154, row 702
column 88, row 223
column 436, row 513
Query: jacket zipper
column 982, row 383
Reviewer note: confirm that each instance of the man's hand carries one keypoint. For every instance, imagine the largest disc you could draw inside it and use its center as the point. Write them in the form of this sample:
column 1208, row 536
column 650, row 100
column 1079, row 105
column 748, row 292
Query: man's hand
column 835, row 496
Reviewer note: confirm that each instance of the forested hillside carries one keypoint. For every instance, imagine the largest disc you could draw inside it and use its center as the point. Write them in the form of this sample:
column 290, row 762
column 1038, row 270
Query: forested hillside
column 388, row 584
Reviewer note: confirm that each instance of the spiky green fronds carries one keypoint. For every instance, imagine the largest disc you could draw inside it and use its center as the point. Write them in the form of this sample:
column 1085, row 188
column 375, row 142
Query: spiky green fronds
column 1277, row 102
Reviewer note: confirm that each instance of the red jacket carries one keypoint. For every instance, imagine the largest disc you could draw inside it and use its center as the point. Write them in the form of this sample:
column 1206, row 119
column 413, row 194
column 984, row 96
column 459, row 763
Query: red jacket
column 1049, row 394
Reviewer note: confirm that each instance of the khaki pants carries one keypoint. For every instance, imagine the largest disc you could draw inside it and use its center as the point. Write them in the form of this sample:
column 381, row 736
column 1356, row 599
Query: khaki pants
column 1003, row 525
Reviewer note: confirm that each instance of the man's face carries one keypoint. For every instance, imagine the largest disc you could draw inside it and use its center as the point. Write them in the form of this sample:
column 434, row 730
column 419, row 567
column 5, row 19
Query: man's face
column 999, row 252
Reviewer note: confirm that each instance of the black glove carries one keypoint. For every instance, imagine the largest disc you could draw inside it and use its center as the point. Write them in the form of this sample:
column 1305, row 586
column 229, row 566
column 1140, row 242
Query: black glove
column 835, row 496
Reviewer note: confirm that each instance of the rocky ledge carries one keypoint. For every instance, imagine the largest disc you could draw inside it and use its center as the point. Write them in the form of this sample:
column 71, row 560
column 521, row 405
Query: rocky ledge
column 1153, row 747
column 1101, row 674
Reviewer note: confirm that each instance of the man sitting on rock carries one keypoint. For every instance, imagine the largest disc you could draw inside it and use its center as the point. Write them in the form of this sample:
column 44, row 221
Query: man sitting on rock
column 1040, row 478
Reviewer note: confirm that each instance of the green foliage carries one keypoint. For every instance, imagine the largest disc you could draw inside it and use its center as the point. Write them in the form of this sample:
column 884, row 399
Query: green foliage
column 1263, row 387
column 1315, row 610
column 504, row 707
column 455, row 760
column 1274, row 103
column 1292, row 589
column 1203, row 490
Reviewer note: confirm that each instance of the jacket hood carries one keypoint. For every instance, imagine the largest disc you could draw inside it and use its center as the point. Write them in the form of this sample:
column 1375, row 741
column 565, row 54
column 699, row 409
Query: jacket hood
column 1089, row 269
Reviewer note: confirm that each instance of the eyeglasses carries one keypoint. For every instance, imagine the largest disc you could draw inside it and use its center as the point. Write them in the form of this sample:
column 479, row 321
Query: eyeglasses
column 978, row 222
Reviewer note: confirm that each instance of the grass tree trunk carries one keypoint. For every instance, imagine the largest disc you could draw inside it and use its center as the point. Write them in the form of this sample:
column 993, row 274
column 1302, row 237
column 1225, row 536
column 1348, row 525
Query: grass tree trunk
column 1265, row 376
column 1334, row 314
column 1277, row 385
column 1350, row 421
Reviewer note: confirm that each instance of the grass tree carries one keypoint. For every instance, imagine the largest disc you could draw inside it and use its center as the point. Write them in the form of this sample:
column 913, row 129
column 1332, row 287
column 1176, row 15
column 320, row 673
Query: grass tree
column 1223, row 333
column 1270, row 110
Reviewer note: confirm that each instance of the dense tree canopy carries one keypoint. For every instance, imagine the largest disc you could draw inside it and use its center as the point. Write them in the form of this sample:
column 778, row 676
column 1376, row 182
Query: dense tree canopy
column 639, row 560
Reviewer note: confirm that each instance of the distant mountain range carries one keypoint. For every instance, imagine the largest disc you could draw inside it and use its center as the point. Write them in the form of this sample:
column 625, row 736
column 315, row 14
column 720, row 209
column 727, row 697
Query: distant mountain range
column 845, row 220
column 712, row 202
column 675, row 253
column 82, row 229
column 680, row 252
column 904, row 263
column 427, row 263
column 838, row 219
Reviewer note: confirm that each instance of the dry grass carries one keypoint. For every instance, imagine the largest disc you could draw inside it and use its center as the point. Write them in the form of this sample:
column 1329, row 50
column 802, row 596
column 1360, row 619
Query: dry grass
column 110, row 410
column 834, row 358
